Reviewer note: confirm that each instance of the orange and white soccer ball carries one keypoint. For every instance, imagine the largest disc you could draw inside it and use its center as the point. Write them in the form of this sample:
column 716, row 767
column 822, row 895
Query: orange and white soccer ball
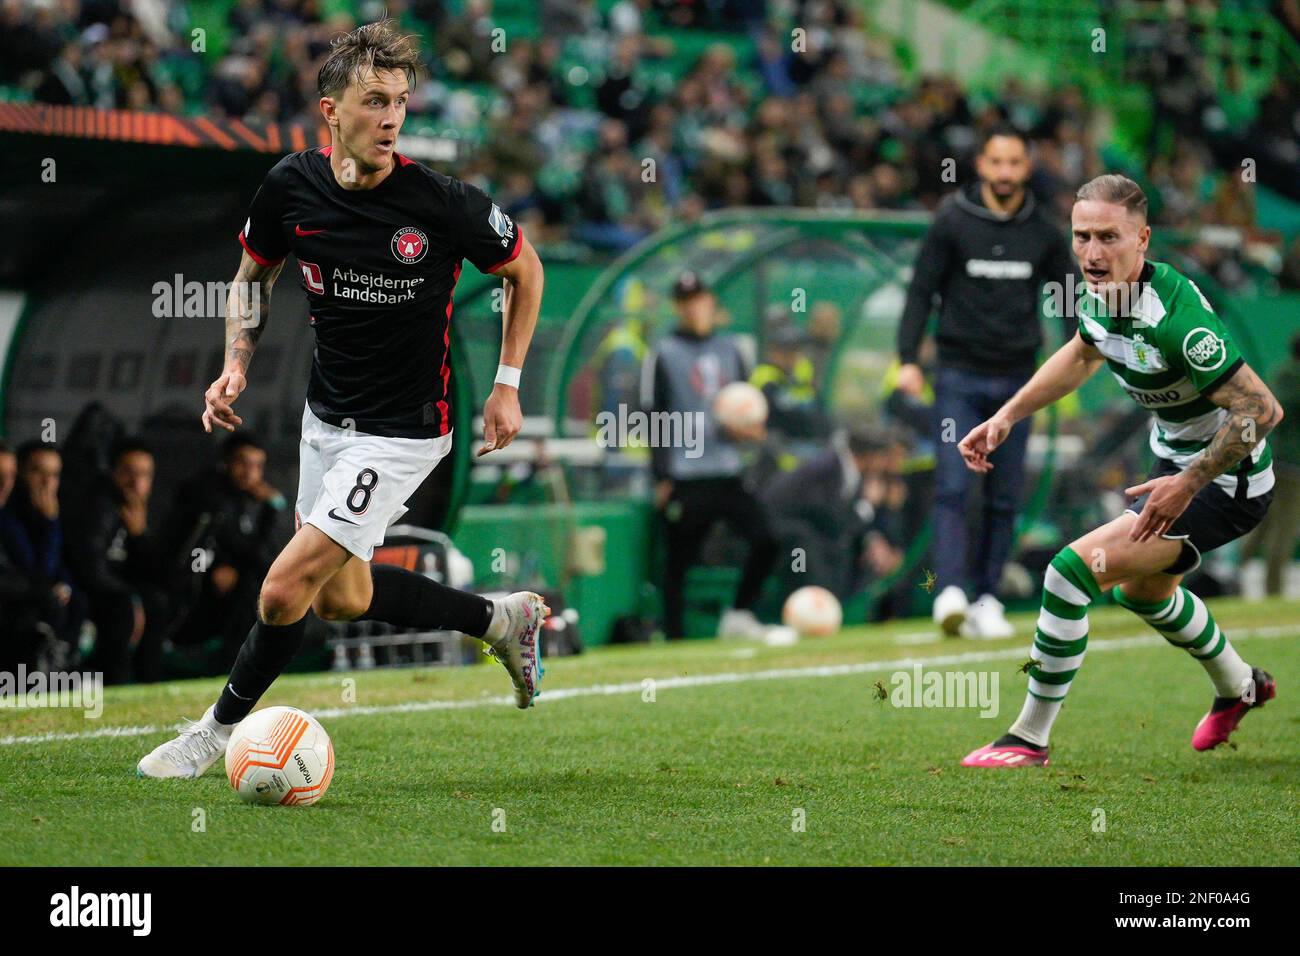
column 740, row 405
column 813, row 611
column 280, row 755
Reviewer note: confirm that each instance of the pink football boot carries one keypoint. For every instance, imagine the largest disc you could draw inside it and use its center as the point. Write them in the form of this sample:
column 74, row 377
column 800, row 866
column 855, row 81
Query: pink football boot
column 1216, row 726
column 1008, row 751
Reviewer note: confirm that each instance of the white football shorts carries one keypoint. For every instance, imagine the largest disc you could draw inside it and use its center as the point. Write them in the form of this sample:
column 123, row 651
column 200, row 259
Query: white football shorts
column 352, row 486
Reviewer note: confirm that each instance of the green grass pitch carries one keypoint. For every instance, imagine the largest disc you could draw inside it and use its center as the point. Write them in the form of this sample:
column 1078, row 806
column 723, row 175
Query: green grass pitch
column 746, row 755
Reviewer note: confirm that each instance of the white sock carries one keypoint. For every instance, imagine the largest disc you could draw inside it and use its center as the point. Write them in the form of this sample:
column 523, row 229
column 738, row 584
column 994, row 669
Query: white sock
column 1060, row 642
column 496, row 629
column 210, row 721
column 1231, row 675
column 1035, row 721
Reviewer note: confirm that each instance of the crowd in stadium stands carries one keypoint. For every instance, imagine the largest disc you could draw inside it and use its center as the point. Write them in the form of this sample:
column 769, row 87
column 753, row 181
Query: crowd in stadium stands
column 833, row 124
column 77, row 547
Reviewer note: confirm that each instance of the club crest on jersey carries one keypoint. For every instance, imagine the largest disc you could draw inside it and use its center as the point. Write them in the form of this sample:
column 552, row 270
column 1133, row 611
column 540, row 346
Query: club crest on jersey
column 1205, row 351
column 1145, row 358
column 409, row 245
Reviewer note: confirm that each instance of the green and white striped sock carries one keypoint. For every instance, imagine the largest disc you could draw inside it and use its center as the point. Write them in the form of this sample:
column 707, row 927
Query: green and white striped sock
column 1059, row 643
column 1186, row 622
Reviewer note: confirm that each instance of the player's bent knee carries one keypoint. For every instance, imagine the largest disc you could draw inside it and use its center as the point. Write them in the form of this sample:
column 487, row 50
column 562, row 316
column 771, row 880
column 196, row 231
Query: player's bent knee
column 330, row 607
column 281, row 602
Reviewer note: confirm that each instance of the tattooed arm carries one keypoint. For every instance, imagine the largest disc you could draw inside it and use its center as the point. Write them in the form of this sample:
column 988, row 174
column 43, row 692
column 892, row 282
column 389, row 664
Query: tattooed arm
column 1253, row 412
column 248, row 306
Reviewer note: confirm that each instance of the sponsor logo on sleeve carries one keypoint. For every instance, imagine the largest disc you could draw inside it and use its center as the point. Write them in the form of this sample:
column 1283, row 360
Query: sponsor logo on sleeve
column 1204, row 350
column 501, row 224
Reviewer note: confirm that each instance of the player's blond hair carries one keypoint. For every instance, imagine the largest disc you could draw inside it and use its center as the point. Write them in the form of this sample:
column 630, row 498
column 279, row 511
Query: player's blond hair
column 1117, row 189
column 367, row 49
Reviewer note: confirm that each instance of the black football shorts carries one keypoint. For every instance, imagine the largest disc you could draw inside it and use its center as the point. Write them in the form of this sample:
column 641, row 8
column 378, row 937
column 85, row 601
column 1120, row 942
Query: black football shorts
column 1213, row 518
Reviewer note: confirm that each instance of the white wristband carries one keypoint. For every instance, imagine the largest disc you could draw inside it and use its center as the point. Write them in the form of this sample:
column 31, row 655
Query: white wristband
column 507, row 375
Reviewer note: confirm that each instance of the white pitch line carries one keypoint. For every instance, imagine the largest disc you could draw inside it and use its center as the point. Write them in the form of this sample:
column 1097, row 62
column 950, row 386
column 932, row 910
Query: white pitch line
column 671, row 683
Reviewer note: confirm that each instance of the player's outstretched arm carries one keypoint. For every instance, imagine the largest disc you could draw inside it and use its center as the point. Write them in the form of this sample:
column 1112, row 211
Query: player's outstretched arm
column 502, row 417
column 1068, row 368
column 1253, row 412
column 248, row 305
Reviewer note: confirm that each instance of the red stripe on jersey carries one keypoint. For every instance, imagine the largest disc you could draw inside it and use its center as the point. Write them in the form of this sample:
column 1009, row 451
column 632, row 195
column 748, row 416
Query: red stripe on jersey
column 514, row 253
column 403, row 160
column 260, row 260
column 445, row 372
column 326, row 150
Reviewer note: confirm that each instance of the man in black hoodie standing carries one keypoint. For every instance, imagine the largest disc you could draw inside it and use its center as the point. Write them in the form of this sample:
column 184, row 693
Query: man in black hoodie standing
column 987, row 256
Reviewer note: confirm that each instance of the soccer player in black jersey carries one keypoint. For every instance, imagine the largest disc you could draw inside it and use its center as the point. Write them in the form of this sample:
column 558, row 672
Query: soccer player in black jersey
column 379, row 241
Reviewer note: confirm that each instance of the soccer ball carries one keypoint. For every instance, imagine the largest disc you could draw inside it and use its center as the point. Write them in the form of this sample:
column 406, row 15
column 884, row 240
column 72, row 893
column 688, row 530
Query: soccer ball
column 740, row 405
column 813, row 611
column 280, row 755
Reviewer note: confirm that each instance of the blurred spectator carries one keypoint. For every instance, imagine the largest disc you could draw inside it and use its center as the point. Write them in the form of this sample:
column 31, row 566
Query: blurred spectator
column 8, row 471
column 535, row 480
column 787, row 380
column 87, row 458
column 563, row 18
column 63, row 84
column 466, row 43
column 220, row 539
column 1290, row 277
column 840, row 509
column 825, row 322
column 619, row 358
column 986, row 257
column 611, row 192
column 114, row 560
column 13, row 583
column 700, row 485
column 623, row 93
column 42, row 615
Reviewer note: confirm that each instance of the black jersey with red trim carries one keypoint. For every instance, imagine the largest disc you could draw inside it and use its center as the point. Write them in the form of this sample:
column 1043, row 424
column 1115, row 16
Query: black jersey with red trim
column 379, row 267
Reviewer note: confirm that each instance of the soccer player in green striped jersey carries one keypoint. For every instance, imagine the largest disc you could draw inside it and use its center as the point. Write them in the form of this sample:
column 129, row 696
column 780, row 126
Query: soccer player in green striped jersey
column 1212, row 482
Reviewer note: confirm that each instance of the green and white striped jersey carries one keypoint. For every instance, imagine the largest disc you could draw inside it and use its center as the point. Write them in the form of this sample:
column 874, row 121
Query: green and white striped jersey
column 1168, row 352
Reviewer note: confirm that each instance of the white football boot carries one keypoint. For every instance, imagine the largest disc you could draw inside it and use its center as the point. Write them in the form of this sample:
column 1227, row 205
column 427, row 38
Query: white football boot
column 988, row 619
column 778, row 635
column 190, row 753
column 950, row 609
column 520, row 649
column 740, row 623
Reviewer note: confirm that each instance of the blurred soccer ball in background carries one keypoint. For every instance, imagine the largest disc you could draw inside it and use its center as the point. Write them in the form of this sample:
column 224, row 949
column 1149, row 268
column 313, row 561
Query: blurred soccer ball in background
column 813, row 611
column 740, row 405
